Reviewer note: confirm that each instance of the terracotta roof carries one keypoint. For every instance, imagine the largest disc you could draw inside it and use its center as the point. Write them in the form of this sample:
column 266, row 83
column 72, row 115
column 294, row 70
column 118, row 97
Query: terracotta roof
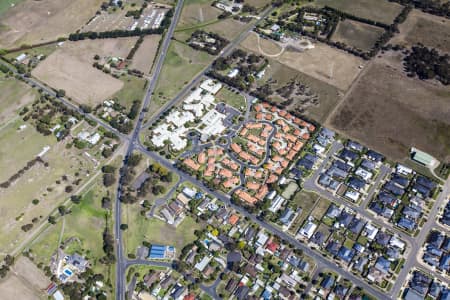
column 225, row 173
column 233, row 219
column 236, row 148
column 191, row 164
column 201, row 158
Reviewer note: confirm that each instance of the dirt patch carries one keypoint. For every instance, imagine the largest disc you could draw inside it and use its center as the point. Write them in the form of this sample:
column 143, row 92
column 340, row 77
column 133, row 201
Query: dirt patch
column 34, row 21
column 267, row 46
column 356, row 34
column 15, row 288
column 28, row 271
column 391, row 112
column 431, row 31
column 70, row 68
column 145, row 55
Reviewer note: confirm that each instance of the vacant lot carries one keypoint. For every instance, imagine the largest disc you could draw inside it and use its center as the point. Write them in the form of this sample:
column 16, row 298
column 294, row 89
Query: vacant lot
column 377, row 10
column 227, row 28
column 28, row 271
column 145, row 55
column 266, row 47
column 327, row 64
column 182, row 63
column 390, row 112
column 419, row 27
column 197, row 12
column 358, row 35
column 15, row 288
column 70, row 68
column 34, row 22
column 14, row 95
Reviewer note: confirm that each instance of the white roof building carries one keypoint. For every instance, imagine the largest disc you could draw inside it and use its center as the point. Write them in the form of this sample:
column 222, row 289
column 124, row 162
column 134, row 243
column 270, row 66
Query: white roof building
column 58, row 295
column 214, row 123
column 404, row 170
column 353, row 195
column 371, row 231
column 233, row 73
column 21, row 57
column 308, row 230
column 211, row 86
column 276, row 204
column 201, row 265
column 396, row 242
column 262, row 239
column 364, row 174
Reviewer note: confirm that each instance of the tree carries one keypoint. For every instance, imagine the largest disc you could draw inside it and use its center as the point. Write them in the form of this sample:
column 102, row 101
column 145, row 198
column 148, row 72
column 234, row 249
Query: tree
column 60, row 93
column 123, row 226
column 75, row 199
column 35, row 201
column 52, row 220
column 108, row 179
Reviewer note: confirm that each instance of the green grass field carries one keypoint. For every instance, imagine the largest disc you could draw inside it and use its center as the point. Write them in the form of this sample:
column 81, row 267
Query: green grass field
column 7, row 4
column 155, row 231
column 181, row 65
column 237, row 100
column 43, row 50
column 133, row 89
column 320, row 208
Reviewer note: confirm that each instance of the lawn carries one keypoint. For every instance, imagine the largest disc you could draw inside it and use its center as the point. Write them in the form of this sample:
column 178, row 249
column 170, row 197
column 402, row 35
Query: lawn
column 235, row 99
column 356, row 34
column 182, row 63
column 43, row 50
column 321, row 208
column 306, row 201
column 155, row 231
column 6, row 4
column 133, row 89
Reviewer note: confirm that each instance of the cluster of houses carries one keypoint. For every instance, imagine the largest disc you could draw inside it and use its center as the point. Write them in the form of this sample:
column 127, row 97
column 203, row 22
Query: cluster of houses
column 286, row 135
column 436, row 252
column 229, row 6
column 257, row 264
column 330, row 287
column 175, row 210
column 404, row 198
column 423, row 286
column 197, row 112
column 216, row 166
column 354, row 243
column 351, row 172
column 445, row 219
column 162, row 284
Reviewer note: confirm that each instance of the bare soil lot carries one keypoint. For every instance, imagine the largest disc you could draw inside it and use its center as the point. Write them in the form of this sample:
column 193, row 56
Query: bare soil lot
column 70, row 68
column 29, row 272
column 332, row 66
column 34, row 21
column 15, row 288
column 376, row 10
column 356, row 34
column 390, row 112
column 145, row 55
column 431, row 31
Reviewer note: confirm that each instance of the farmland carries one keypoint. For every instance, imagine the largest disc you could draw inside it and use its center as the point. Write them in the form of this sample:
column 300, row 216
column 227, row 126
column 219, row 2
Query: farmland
column 356, row 34
column 70, row 68
column 413, row 112
column 146, row 54
column 14, row 95
column 324, row 63
column 196, row 12
column 377, row 10
column 31, row 22
column 429, row 30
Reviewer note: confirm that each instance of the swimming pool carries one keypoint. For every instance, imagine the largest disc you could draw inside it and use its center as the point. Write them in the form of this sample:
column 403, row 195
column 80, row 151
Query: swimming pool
column 68, row 272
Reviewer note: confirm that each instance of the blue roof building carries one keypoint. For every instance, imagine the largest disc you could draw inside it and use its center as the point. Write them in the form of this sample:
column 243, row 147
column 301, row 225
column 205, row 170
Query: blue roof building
column 382, row 265
column 346, row 254
column 394, row 189
column 375, row 156
column 406, row 224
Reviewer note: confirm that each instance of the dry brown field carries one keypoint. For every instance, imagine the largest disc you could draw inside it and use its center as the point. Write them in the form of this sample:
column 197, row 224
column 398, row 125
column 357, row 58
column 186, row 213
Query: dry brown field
column 14, row 95
column 196, row 12
column 431, row 31
column 145, row 55
column 356, row 34
column 28, row 271
column 70, row 68
column 330, row 65
column 390, row 112
column 227, row 28
column 15, row 288
column 32, row 22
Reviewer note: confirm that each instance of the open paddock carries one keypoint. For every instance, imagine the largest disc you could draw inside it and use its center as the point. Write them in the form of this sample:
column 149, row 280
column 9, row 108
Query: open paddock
column 356, row 34
column 330, row 65
column 145, row 55
column 31, row 22
column 14, row 288
column 376, row 10
column 13, row 97
column 197, row 12
column 29, row 272
column 431, row 31
column 227, row 28
column 70, row 68
column 390, row 112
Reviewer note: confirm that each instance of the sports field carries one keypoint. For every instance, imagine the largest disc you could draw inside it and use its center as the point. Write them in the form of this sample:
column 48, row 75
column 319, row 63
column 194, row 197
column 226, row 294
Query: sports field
column 31, row 22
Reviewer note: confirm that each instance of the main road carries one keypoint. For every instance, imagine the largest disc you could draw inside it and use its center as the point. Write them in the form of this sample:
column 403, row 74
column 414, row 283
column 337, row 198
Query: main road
column 121, row 264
